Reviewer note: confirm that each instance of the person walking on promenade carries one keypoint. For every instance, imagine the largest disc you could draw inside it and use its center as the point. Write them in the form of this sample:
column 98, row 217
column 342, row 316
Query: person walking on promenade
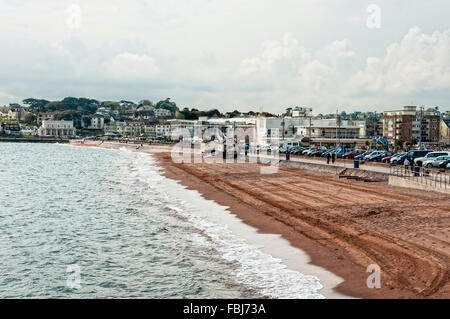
column 412, row 164
column 333, row 157
column 406, row 164
column 328, row 158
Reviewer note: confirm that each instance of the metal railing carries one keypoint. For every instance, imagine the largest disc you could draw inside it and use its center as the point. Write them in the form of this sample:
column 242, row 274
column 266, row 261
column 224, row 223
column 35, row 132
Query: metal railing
column 421, row 175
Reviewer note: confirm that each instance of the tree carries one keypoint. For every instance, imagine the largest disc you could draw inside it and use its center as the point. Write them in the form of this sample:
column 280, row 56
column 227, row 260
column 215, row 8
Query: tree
column 185, row 114
column 70, row 115
column 29, row 118
column 37, row 105
column 83, row 105
column 167, row 105
column 146, row 103
column 111, row 104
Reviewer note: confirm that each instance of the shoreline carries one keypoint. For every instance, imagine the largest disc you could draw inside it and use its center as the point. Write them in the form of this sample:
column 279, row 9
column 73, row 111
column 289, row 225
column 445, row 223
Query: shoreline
column 270, row 242
column 339, row 256
column 273, row 240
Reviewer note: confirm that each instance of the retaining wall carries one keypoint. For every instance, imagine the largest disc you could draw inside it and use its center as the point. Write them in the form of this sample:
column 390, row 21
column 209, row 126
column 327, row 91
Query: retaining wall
column 411, row 183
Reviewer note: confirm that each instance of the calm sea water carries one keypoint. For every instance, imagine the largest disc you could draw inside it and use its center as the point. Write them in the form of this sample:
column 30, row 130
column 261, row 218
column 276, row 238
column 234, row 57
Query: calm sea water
column 91, row 223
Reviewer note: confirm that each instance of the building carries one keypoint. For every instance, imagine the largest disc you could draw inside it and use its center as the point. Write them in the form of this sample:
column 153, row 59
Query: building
column 15, row 114
column 374, row 126
column 29, row 130
column 4, row 112
column 321, row 131
column 11, row 129
column 331, row 129
column 301, row 111
column 52, row 128
column 411, row 125
column 115, row 128
column 163, row 130
column 445, row 132
column 45, row 116
column 127, row 105
column 145, row 115
column 162, row 113
column 93, row 122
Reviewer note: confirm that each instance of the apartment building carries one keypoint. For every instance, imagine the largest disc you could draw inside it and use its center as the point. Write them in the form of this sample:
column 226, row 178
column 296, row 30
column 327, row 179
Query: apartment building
column 411, row 125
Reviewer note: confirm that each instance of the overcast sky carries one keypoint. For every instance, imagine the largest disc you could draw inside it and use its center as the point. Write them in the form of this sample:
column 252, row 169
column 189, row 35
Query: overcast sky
column 229, row 54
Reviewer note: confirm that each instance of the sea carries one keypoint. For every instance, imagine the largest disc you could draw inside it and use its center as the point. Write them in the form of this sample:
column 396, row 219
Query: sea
column 81, row 222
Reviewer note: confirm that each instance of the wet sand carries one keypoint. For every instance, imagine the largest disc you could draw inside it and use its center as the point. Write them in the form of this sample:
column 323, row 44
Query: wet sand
column 343, row 226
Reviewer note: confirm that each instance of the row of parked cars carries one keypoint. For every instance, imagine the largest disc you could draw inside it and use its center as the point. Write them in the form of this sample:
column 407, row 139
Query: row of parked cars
column 315, row 151
column 425, row 158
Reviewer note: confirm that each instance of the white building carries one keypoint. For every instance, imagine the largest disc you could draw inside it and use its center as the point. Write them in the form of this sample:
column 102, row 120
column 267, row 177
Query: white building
column 29, row 130
column 93, row 122
column 56, row 129
column 162, row 112
column 264, row 130
column 301, row 111
column 300, row 127
column 162, row 129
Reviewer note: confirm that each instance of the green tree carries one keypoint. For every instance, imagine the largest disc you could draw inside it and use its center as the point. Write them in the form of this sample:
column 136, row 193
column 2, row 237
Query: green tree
column 30, row 118
column 167, row 105
column 146, row 103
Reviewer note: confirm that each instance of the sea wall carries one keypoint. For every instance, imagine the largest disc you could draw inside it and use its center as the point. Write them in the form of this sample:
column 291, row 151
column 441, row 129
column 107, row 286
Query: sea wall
column 411, row 183
column 32, row 140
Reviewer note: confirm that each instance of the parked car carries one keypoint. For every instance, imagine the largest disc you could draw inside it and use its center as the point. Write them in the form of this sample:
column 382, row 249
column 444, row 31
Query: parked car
column 378, row 156
column 317, row 152
column 413, row 155
column 363, row 155
column 448, row 166
column 368, row 154
column 297, row 152
column 374, row 156
column 399, row 158
column 339, row 153
column 308, row 150
column 353, row 154
column 435, row 162
column 430, row 156
column 387, row 159
column 444, row 163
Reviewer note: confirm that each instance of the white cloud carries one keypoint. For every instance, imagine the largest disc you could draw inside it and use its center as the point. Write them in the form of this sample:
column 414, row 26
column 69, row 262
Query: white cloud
column 419, row 62
column 129, row 66
column 227, row 54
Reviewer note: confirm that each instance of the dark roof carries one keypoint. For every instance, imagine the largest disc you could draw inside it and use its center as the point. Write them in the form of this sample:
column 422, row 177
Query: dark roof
column 11, row 126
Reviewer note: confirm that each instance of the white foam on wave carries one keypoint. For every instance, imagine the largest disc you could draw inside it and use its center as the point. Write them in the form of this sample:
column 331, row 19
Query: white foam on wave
column 237, row 242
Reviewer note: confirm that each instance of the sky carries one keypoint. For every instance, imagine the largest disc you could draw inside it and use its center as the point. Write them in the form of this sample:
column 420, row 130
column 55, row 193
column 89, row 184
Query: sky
column 261, row 55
